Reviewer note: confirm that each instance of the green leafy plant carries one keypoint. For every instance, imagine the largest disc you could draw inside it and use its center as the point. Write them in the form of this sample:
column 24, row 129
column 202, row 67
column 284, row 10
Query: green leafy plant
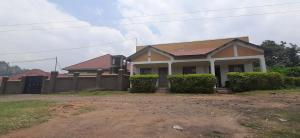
column 192, row 83
column 255, row 81
column 143, row 83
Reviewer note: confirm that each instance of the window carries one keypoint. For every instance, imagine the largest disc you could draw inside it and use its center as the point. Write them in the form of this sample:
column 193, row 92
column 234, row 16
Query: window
column 236, row 68
column 145, row 71
column 189, row 70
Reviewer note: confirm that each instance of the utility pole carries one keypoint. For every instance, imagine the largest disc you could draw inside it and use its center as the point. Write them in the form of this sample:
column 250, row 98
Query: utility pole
column 136, row 41
column 55, row 63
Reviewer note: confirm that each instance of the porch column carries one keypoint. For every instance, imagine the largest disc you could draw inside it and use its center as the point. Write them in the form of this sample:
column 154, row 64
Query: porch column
column 212, row 66
column 170, row 68
column 263, row 67
column 131, row 69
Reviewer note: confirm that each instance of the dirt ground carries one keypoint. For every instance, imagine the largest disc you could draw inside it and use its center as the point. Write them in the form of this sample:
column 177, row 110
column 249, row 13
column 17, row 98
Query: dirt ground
column 151, row 115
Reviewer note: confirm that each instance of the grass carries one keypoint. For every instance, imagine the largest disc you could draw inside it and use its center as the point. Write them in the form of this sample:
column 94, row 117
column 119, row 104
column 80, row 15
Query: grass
column 266, row 92
column 22, row 114
column 83, row 110
column 266, row 122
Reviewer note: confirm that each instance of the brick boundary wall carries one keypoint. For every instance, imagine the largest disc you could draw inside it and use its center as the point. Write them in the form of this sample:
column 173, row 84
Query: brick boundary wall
column 115, row 82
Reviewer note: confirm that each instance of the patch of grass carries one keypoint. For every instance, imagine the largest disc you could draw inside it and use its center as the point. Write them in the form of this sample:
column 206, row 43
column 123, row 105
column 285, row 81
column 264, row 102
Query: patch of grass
column 266, row 122
column 266, row 92
column 83, row 110
column 22, row 114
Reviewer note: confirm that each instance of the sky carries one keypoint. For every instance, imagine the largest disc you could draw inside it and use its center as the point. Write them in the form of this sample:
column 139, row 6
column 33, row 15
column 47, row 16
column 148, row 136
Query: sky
column 77, row 30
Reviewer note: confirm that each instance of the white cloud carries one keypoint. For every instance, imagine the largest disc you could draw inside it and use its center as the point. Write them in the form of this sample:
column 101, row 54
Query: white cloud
column 62, row 36
column 275, row 27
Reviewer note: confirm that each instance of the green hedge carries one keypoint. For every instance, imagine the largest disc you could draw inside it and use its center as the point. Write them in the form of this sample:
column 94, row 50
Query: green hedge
column 247, row 81
column 292, row 81
column 192, row 83
column 143, row 83
column 287, row 71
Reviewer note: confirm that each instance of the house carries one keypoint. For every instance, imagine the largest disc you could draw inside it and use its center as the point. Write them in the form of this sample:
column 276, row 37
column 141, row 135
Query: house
column 109, row 64
column 30, row 73
column 198, row 57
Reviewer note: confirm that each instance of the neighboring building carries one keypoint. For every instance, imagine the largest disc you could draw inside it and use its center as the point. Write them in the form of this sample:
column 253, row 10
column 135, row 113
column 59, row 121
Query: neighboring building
column 110, row 64
column 198, row 57
column 30, row 73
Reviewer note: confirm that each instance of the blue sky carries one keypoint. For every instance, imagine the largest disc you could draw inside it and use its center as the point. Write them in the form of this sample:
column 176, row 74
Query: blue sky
column 96, row 27
column 97, row 12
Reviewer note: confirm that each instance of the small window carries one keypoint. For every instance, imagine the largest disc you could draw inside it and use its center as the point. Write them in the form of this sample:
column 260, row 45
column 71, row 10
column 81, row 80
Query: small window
column 236, row 68
column 145, row 71
column 189, row 70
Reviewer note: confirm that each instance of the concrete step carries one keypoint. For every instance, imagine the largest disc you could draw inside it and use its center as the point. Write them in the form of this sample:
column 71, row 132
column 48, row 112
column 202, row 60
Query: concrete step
column 223, row 91
column 162, row 90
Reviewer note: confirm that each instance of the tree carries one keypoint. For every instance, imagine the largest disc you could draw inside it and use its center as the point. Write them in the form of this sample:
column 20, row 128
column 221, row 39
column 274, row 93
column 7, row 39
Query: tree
column 6, row 70
column 281, row 54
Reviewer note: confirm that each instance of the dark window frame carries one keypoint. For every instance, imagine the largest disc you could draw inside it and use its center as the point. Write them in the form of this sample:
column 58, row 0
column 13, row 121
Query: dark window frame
column 236, row 68
column 189, row 70
column 145, row 70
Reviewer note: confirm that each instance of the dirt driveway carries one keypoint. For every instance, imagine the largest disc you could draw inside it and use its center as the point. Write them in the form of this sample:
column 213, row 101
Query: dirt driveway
column 153, row 115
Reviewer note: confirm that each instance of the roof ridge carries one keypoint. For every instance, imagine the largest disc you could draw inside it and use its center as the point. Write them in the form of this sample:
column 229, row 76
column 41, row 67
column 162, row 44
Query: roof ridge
column 218, row 39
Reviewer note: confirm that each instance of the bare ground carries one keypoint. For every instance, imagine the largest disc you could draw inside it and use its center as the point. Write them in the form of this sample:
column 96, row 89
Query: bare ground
column 152, row 115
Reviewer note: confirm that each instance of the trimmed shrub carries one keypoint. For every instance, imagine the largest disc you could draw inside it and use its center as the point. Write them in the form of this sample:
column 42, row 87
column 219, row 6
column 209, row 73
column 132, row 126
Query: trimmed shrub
column 297, row 81
column 143, row 83
column 287, row 71
column 255, row 81
column 192, row 83
column 292, row 81
column 289, row 81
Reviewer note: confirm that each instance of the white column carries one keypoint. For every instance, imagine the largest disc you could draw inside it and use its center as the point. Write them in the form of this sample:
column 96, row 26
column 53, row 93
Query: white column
column 263, row 67
column 131, row 69
column 170, row 68
column 212, row 66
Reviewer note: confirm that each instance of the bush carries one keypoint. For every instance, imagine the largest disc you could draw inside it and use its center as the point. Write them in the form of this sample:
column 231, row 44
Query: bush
column 287, row 71
column 255, row 81
column 192, row 83
column 289, row 81
column 143, row 83
column 292, row 81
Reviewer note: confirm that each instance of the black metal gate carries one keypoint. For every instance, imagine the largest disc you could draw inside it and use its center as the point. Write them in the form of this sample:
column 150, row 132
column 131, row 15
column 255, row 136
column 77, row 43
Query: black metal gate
column 33, row 85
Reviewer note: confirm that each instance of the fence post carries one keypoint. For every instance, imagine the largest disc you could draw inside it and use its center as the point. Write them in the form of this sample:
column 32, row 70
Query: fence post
column 98, row 78
column 53, row 78
column 3, row 85
column 22, row 84
column 75, row 81
column 44, row 88
column 121, row 79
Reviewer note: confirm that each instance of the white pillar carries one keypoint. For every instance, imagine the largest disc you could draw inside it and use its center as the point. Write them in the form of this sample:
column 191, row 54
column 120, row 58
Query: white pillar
column 263, row 67
column 170, row 68
column 212, row 66
column 131, row 69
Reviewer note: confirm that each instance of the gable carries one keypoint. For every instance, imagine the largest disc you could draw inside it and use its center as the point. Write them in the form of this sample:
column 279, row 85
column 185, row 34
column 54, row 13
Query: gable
column 226, row 52
column 150, row 55
column 141, row 57
column 244, row 51
column 158, row 57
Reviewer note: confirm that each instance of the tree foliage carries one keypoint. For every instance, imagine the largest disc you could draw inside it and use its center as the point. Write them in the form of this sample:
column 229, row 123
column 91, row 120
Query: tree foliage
column 6, row 70
column 281, row 54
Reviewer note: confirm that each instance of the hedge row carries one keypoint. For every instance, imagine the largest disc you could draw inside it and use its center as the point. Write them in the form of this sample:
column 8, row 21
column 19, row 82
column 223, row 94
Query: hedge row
column 247, row 81
column 192, row 83
column 292, row 81
column 143, row 83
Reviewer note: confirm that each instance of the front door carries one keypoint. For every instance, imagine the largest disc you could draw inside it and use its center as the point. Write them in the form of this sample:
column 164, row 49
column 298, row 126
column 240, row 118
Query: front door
column 218, row 75
column 163, row 80
column 33, row 85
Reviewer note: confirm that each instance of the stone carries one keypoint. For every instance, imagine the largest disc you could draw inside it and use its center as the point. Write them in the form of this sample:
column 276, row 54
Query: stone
column 177, row 127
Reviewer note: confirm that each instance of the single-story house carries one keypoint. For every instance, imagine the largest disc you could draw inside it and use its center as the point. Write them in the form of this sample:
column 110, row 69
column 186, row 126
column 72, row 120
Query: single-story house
column 197, row 57
column 109, row 64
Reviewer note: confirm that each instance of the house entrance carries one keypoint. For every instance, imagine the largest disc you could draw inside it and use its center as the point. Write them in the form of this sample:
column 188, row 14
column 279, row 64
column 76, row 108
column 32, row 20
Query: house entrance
column 163, row 80
column 218, row 75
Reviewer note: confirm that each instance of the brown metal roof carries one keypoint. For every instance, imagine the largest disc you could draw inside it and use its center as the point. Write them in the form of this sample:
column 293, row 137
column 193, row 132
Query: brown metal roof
column 33, row 72
column 194, row 47
column 102, row 62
